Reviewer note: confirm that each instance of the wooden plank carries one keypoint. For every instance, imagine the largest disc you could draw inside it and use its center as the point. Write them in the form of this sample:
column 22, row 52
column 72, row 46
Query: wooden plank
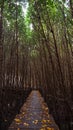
column 34, row 115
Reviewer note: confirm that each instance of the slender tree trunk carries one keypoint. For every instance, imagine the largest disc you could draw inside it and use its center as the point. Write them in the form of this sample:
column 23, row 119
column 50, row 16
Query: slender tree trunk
column 1, row 62
column 16, row 33
column 1, row 42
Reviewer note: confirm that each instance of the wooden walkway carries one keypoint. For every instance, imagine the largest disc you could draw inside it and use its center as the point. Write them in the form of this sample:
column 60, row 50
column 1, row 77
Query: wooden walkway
column 34, row 115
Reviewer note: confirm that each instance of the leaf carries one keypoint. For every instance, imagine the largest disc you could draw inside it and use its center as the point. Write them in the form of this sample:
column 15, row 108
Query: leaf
column 48, row 121
column 42, row 129
column 44, row 126
column 46, row 108
column 35, row 122
column 44, row 121
column 17, row 120
column 26, row 124
column 48, row 128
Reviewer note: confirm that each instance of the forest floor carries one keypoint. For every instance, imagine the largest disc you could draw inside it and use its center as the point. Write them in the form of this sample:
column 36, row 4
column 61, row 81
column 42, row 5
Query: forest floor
column 34, row 115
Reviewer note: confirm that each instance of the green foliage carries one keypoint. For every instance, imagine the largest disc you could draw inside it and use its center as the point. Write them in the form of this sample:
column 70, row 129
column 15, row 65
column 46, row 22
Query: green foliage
column 52, row 9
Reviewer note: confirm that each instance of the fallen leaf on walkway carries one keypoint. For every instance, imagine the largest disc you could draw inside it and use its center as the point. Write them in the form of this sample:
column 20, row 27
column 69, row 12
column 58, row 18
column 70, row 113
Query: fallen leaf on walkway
column 23, row 113
column 35, row 122
column 42, row 129
column 44, row 121
column 17, row 120
column 44, row 125
column 49, row 121
column 48, row 128
column 26, row 124
column 46, row 108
